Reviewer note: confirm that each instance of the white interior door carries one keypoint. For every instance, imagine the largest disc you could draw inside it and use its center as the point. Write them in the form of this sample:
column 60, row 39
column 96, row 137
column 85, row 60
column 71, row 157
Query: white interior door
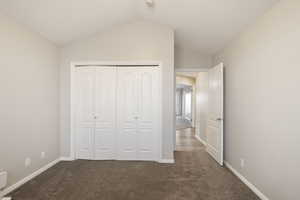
column 85, row 112
column 105, row 113
column 215, row 114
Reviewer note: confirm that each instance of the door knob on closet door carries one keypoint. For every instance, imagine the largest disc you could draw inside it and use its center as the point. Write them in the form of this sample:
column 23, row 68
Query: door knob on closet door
column 136, row 117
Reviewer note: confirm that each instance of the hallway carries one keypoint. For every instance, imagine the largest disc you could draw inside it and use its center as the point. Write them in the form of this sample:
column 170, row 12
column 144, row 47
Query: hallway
column 186, row 140
column 182, row 123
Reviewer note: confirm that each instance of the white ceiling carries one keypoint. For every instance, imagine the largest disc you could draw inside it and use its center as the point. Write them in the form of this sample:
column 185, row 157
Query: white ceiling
column 63, row 21
column 203, row 25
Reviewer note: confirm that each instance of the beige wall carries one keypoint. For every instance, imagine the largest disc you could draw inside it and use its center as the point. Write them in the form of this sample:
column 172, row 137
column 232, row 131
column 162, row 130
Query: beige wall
column 262, row 98
column 201, row 104
column 131, row 42
column 185, row 80
column 28, row 100
column 188, row 58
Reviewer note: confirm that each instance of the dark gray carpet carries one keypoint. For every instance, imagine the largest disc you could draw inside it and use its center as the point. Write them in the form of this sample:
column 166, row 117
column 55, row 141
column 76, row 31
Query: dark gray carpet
column 195, row 176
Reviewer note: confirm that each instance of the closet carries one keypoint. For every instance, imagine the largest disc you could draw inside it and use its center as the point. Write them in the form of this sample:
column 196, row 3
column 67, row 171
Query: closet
column 117, row 112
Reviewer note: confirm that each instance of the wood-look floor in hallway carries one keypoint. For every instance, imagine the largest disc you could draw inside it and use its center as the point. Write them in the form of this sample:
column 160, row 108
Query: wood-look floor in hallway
column 194, row 176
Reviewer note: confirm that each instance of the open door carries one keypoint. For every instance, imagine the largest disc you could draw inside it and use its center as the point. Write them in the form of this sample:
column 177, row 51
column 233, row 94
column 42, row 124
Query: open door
column 215, row 113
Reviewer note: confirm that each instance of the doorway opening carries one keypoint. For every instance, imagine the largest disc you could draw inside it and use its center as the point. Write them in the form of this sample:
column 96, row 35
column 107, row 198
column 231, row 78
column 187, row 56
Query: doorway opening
column 199, row 111
column 186, row 111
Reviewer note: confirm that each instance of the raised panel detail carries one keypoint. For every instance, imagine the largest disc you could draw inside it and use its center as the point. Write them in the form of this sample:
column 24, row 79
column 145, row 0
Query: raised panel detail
column 85, row 119
column 127, row 90
column 105, row 113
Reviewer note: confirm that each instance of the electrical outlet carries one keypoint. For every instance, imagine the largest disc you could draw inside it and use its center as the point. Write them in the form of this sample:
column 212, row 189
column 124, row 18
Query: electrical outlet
column 43, row 155
column 242, row 162
column 27, row 162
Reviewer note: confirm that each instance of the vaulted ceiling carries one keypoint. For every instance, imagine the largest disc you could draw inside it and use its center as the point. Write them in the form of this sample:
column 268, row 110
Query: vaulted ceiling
column 203, row 25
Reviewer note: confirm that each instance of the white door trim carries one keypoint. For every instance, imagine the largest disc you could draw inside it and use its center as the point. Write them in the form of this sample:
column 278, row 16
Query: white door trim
column 73, row 91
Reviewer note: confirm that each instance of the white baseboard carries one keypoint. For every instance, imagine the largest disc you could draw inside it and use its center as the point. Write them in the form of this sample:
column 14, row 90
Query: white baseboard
column 171, row 161
column 202, row 141
column 160, row 161
column 244, row 180
column 66, row 159
column 27, row 178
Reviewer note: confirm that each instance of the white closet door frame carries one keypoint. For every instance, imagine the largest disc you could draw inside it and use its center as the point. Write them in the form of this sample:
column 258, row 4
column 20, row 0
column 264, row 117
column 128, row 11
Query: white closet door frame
column 74, row 93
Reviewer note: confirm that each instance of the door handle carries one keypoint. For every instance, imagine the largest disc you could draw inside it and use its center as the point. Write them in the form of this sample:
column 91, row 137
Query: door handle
column 219, row 119
column 136, row 117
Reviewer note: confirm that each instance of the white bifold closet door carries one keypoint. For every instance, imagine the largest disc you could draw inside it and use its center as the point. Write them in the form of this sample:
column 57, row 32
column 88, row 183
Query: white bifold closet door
column 105, row 113
column 85, row 112
column 97, row 113
column 117, row 113
column 136, row 105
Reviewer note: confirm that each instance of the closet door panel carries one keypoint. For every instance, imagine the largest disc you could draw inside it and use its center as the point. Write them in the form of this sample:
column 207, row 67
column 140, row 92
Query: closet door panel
column 85, row 112
column 127, row 107
column 105, row 113
column 146, row 119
